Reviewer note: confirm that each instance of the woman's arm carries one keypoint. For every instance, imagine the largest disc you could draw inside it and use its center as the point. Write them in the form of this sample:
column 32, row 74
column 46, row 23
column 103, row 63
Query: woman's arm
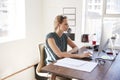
column 72, row 45
column 60, row 54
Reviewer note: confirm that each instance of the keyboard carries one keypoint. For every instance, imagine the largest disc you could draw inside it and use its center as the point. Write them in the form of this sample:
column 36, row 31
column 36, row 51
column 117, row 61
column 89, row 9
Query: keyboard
column 108, row 57
column 108, row 54
column 87, row 58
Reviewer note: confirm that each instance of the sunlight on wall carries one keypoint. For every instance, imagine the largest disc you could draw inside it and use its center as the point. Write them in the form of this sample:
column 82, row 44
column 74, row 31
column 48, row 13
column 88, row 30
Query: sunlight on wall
column 12, row 20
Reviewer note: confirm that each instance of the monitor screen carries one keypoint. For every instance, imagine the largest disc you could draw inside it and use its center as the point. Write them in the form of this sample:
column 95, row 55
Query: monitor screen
column 106, row 35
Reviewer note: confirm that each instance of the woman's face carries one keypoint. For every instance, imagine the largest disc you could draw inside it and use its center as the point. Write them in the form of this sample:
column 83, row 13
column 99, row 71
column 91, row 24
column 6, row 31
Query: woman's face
column 64, row 25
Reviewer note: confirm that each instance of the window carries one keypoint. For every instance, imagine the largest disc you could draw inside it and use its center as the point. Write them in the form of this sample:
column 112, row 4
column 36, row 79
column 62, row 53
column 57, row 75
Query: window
column 99, row 11
column 112, row 6
column 12, row 20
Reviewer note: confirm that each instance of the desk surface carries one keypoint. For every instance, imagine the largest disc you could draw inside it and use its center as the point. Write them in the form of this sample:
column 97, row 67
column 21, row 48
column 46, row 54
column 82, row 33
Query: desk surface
column 108, row 71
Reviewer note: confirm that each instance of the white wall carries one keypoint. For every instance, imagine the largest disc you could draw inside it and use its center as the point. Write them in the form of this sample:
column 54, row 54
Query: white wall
column 18, row 54
column 25, row 75
column 51, row 8
column 40, row 16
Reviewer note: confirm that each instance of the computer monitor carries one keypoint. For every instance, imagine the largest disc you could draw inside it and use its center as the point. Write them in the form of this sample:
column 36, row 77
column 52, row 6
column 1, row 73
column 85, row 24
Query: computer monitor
column 106, row 34
column 106, row 47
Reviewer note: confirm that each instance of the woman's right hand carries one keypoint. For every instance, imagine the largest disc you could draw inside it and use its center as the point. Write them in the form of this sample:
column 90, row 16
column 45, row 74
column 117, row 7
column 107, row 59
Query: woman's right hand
column 86, row 54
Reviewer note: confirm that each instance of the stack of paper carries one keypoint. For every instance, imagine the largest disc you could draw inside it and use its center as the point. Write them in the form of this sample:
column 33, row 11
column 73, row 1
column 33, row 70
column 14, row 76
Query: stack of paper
column 76, row 64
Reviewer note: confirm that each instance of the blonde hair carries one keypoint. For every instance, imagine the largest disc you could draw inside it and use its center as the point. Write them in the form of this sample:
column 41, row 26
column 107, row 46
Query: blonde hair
column 58, row 20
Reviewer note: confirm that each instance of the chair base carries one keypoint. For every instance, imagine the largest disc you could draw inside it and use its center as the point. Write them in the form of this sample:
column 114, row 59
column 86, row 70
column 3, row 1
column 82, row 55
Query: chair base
column 37, row 76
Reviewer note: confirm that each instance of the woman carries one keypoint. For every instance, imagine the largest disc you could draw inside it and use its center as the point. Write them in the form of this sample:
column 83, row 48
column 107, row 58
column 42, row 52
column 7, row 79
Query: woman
column 56, row 42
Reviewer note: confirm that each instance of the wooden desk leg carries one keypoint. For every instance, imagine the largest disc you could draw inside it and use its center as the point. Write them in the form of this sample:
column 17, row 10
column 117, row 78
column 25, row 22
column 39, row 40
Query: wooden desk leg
column 53, row 77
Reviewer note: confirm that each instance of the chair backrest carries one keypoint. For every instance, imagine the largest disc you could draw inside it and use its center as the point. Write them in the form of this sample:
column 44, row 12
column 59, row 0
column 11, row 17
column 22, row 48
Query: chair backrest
column 42, row 57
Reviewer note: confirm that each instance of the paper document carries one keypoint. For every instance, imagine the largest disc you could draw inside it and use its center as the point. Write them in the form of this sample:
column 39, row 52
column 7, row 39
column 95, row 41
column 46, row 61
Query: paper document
column 76, row 64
